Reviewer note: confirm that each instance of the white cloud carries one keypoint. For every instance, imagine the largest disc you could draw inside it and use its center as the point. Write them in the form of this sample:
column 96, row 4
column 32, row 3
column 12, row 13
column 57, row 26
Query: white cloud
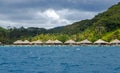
column 51, row 14
column 51, row 18
column 76, row 15
column 48, row 18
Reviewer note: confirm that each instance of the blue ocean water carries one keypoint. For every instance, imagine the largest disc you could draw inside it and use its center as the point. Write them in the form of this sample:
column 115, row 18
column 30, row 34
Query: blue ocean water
column 59, row 59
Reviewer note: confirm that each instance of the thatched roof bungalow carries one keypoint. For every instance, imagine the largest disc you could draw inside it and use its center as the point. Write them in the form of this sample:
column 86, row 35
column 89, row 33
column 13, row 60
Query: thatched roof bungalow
column 38, row 42
column 57, row 42
column 49, row 42
column 100, row 42
column 26, row 42
column 70, row 42
column 85, row 42
column 115, row 42
column 18, row 42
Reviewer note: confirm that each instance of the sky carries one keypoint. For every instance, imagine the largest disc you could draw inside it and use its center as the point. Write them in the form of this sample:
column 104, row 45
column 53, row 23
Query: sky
column 49, row 13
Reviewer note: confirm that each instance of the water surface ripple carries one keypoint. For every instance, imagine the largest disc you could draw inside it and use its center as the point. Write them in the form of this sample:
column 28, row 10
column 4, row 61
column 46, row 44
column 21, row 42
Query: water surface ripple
column 56, row 59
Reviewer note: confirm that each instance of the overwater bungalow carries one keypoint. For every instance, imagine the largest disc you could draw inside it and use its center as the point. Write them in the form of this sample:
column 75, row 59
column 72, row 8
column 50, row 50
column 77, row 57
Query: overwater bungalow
column 100, row 42
column 57, row 42
column 26, row 42
column 18, row 42
column 38, row 42
column 115, row 42
column 84, row 42
column 70, row 42
column 49, row 42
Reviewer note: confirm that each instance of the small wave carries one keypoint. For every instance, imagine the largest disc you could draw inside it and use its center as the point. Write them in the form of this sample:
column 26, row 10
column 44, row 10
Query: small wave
column 78, row 49
column 92, row 64
column 104, row 56
column 75, row 65
column 64, row 63
column 70, row 65
column 33, row 57
column 9, row 63
column 16, row 71
column 41, row 72
column 117, row 68
column 3, row 64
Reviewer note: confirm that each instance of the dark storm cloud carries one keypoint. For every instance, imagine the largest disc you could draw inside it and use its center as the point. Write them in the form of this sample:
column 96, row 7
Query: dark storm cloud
column 49, row 13
column 87, row 5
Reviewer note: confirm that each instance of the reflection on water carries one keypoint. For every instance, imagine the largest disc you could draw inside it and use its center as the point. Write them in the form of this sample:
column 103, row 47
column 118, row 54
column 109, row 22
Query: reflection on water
column 56, row 59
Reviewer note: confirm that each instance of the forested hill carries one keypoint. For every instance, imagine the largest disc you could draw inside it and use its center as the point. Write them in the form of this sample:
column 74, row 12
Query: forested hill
column 105, row 26
column 107, row 21
column 74, row 28
column 8, row 36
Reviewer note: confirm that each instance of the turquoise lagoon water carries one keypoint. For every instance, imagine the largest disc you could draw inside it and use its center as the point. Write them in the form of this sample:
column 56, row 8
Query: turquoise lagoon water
column 59, row 59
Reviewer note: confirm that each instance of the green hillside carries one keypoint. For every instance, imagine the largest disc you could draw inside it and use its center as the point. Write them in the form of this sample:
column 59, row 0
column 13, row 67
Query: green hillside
column 112, row 35
column 74, row 28
column 98, row 27
column 107, row 21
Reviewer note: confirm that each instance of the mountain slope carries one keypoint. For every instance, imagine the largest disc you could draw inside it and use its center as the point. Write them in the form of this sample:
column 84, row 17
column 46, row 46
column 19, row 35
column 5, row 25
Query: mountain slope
column 76, row 27
column 106, row 21
column 98, row 27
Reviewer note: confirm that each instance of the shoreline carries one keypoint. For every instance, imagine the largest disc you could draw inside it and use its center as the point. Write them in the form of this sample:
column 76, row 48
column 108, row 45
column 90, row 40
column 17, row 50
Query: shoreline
column 59, row 45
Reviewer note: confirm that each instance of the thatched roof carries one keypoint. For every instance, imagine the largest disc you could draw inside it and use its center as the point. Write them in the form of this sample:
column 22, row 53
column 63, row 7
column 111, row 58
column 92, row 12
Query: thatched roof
column 49, row 42
column 18, row 42
column 57, row 41
column 37, row 42
column 116, row 41
column 26, row 42
column 86, row 41
column 70, row 41
column 100, row 41
column 22, row 42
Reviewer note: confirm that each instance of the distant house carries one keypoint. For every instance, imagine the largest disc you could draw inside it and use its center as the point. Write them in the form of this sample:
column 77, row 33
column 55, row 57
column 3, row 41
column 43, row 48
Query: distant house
column 84, row 42
column 26, row 42
column 70, row 42
column 18, row 42
column 115, row 42
column 100, row 42
column 49, row 42
column 38, row 42
column 57, row 42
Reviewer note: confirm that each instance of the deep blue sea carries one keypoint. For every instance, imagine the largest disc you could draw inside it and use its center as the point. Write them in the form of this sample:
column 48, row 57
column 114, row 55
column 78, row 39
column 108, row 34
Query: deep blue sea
column 59, row 59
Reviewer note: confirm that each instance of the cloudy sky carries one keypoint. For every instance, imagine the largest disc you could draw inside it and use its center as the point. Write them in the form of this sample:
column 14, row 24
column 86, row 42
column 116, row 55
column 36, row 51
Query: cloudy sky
column 49, row 13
